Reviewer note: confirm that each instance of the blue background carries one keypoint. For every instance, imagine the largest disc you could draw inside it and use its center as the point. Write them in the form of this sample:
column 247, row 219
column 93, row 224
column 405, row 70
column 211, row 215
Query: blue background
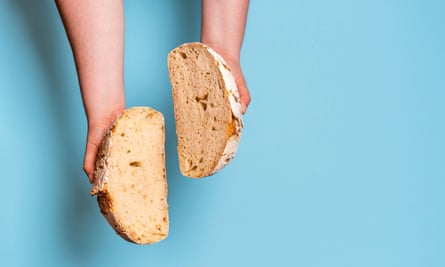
column 342, row 160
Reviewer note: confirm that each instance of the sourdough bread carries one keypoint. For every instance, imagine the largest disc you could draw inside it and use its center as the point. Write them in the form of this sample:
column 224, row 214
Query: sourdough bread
column 130, row 177
column 207, row 109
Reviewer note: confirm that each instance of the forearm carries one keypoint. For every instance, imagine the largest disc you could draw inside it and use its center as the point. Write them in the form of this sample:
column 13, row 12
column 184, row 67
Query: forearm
column 223, row 24
column 95, row 29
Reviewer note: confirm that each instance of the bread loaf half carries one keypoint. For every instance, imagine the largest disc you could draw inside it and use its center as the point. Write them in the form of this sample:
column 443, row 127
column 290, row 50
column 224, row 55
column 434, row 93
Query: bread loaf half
column 207, row 109
column 130, row 180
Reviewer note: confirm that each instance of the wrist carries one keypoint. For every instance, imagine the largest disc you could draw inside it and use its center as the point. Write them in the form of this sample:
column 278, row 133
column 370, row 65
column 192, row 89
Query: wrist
column 102, row 115
column 230, row 54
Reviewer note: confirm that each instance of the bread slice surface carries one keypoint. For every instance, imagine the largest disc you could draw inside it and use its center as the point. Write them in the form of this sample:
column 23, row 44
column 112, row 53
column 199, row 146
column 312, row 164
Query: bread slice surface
column 207, row 109
column 130, row 176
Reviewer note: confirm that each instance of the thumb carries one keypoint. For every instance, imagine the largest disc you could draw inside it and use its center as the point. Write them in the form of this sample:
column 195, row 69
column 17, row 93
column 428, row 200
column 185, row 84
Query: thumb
column 94, row 139
column 244, row 93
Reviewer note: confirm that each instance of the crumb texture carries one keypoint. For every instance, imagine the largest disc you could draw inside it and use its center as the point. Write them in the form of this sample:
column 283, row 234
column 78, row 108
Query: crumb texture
column 207, row 129
column 130, row 178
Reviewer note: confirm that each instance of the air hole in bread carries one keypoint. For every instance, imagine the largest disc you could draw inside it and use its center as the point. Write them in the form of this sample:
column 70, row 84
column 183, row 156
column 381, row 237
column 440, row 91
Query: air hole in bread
column 183, row 55
column 205, row 97
column 135, row 164
column 203, row 105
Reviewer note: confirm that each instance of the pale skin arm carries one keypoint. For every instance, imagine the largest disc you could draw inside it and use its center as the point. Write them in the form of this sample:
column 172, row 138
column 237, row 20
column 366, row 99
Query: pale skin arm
column 222, row 28
column 95, row 29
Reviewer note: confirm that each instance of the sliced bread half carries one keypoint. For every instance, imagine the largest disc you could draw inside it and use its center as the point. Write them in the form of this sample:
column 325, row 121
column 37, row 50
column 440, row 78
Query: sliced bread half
column 130, row 177
column 207, row 109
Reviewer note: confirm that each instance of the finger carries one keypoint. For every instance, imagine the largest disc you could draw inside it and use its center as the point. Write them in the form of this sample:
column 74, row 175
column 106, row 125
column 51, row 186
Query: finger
column 95, row 136
column 90, row 161
column 244, row 94
column 245, row 99
column 242, row 87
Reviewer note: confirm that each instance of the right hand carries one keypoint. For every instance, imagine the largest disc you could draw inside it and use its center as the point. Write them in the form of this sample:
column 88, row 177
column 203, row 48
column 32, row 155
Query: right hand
column 97, row 128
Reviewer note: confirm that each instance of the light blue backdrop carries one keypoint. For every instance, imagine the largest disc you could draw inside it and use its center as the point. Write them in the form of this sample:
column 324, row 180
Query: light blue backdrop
column 342, row 160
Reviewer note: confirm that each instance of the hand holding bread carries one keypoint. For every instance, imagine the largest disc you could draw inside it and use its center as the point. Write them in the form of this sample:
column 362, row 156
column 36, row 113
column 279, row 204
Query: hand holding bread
column 124, row 152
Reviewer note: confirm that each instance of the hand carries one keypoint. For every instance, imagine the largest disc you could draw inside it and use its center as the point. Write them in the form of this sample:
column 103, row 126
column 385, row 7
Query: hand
column 96, row 35
column 241, row 84
column 237, row 72
column 97, row 128
column 222, row 28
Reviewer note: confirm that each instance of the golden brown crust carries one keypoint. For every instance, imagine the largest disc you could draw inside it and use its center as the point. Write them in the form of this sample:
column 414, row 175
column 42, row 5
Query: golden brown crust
column 106, row 208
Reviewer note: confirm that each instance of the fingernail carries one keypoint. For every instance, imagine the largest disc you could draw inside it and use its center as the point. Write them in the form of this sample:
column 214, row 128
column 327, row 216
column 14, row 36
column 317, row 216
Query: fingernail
column 243, row 108
column 90, row 178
